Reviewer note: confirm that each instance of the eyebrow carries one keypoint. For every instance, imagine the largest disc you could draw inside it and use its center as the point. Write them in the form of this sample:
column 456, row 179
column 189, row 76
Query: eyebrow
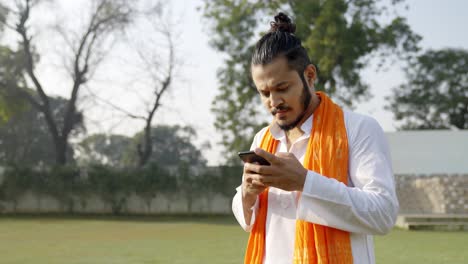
column 280, row 84
column 276, row 85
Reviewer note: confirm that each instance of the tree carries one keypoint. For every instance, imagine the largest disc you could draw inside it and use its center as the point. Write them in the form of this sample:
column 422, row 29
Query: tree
column 171, row 145
column 340, row 37
column 105, row 18
column 161, row 75
column 25, row 138
column 111, row 150
column 3, row 15
column 4, row 106
column 435, row 94
column 11, row 71
column 156, row 61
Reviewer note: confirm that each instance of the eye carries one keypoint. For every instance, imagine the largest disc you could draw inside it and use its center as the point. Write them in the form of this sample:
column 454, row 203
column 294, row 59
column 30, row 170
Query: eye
column 283, row 89
column 265, row 93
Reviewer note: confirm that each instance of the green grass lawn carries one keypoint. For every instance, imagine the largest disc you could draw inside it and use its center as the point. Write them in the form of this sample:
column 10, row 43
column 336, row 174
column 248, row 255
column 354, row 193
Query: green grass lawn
column 182, row 240
column 426, row 247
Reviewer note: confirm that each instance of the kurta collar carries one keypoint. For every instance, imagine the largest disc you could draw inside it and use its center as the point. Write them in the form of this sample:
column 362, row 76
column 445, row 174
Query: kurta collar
column 279, row 134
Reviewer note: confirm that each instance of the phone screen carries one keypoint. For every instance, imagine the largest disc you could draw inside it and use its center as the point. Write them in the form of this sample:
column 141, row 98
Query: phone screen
column 251, row 157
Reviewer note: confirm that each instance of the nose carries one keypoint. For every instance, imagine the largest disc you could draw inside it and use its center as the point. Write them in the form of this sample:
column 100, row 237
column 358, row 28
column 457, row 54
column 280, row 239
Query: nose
column 275, row 99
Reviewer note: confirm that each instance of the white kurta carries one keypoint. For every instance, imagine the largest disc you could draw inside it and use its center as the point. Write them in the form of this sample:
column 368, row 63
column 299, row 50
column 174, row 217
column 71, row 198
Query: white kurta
column 366, row 207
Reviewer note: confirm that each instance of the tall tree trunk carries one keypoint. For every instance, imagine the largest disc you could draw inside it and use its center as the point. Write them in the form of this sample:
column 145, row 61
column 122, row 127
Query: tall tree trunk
column 145, row 148
column 61, row 151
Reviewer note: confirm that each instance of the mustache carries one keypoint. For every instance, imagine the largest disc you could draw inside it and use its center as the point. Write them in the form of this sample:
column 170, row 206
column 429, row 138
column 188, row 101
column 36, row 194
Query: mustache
column 275, row 110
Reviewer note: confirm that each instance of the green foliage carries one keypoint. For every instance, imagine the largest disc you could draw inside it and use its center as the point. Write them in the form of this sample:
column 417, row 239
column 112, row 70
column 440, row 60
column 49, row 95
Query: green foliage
column 25, row 137
column 215, row 180
column 171, row 145
column 12, row 68
column 63, row 183
column 340, row 37
column 435, row 95
column 187, row 184
column 3, row 14
column 111, row 150
column 88, row 43
column 16, row 181
column 24, row 133
column 112, row 185
column 229, row 177
column 151, row 181
column 73, row 186
column 11, row 79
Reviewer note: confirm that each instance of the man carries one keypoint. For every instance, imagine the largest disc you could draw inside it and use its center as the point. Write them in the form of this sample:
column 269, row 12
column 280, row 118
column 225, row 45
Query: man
column 330, row 185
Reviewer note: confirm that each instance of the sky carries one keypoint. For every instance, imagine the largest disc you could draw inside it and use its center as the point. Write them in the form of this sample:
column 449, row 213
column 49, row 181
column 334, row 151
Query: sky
column 441, row 24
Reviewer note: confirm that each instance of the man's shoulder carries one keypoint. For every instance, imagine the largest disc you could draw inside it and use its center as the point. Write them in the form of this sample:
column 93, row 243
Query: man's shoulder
column 258, row 137
column 261, row 132
column 359, row 126
column 358, row 120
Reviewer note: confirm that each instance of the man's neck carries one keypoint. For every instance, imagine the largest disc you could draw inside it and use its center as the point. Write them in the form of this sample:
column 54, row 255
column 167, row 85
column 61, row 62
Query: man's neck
column 293, row 134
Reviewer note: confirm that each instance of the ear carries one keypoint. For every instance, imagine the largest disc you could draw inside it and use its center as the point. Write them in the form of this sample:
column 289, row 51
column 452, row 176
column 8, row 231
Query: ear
column 310, row 74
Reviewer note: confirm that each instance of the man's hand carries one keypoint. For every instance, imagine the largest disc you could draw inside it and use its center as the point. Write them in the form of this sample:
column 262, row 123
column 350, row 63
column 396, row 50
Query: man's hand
column 250, row 189
column 285, row 172
column 250, row 192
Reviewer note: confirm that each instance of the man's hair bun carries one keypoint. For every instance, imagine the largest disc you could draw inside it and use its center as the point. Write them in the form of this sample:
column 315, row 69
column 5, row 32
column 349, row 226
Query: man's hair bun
column 280, row 40
column 282, row 23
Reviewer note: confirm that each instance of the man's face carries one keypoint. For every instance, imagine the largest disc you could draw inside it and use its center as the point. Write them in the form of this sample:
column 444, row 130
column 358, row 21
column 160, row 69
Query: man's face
column 282, row 92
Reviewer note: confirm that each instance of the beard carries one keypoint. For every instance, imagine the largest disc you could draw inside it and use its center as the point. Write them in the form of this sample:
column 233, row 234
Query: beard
column 305, row 98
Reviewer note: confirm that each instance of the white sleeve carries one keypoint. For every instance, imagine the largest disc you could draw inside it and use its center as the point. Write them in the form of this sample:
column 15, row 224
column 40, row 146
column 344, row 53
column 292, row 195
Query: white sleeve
column 237, row 207
column 369, row 204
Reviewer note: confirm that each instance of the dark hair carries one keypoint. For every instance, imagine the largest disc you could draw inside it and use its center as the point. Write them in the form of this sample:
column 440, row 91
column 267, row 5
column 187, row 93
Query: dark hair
column 281, row 41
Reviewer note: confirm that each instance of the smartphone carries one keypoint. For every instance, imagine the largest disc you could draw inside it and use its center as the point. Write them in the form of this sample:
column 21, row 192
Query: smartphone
column 251, row 157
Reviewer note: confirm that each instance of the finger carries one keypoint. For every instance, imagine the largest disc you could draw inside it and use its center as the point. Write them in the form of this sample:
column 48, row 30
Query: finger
column 267, row 155
column 257, row 179
column 248, row 177
column 263, row 180
column 249, row 168
column 284, row 154
column 257, row 184
column 269, row 180
column 264, row 170
column 254, row 178
column 246, row 167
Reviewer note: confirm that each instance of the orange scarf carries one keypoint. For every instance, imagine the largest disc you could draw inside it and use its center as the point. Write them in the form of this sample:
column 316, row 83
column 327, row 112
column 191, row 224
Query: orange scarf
column 327, row 154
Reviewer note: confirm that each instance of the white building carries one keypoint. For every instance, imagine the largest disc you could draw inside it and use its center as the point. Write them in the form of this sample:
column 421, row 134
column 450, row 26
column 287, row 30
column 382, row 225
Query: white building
column 429, row 151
